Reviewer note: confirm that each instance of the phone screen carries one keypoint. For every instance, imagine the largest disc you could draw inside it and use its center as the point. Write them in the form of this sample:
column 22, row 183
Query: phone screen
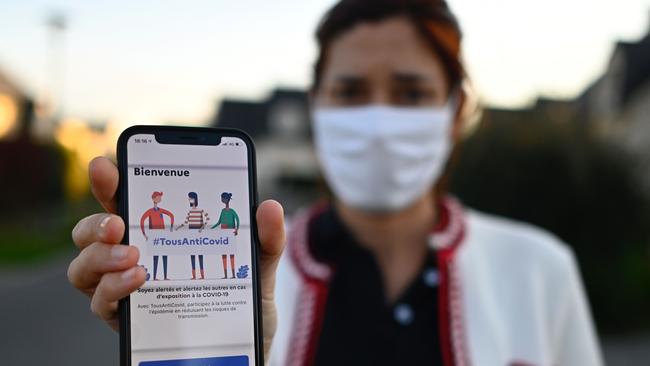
column 189, row 215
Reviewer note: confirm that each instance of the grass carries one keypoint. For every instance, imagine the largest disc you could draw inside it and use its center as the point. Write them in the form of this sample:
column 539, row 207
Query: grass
column 21, row 246
column 25, row 239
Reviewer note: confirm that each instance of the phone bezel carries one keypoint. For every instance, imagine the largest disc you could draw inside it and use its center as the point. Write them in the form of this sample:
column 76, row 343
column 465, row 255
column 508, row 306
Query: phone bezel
column 203, row 137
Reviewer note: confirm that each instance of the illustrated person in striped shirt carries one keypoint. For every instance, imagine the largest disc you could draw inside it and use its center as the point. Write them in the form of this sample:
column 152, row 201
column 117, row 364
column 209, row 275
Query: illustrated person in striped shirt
column 228, row 220
column 156, row 222
column 196, row 219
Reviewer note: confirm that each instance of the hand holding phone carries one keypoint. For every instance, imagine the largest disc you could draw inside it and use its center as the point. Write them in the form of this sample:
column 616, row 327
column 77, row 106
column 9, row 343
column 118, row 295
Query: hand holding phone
column 98, row 273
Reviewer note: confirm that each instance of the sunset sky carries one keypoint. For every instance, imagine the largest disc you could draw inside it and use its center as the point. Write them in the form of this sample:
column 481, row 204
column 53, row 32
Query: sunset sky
column 151, row 61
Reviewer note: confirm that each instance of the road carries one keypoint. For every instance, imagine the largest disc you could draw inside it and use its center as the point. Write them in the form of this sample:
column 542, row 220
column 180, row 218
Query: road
column 46, row 322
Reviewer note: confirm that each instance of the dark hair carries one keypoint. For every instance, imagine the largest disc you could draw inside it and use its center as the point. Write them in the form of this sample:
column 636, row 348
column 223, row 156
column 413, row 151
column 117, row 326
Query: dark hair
column 195, row 197
column 432, row 18
column 226, row 196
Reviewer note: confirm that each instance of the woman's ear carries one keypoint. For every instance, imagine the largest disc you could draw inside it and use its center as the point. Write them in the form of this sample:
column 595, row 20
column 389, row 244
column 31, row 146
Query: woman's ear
column 459, row 100
column 468, row 111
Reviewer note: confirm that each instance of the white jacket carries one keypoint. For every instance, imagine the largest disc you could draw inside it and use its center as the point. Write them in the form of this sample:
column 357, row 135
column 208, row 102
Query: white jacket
column 510, row 294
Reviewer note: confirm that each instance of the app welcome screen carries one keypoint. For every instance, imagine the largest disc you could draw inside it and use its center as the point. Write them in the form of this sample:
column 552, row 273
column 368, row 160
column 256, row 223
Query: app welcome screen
column 189, row 215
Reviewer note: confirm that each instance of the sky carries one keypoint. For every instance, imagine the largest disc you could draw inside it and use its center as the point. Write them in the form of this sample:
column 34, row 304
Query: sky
column 148, row 61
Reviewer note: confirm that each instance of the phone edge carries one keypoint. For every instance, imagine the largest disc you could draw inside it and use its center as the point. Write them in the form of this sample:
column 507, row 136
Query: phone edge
column 122, row 202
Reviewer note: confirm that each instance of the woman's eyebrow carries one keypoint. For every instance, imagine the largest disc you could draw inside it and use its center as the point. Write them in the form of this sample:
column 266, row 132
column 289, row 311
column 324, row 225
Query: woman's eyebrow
column 350, row 79
column 407, row 77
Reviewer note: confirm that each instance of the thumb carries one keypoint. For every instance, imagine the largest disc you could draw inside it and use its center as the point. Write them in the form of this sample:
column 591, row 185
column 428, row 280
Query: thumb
column 104, row 179
column 270, row 228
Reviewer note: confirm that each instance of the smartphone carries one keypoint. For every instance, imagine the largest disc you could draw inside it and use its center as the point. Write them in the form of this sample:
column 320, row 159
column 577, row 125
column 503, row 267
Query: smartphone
column 188, row 197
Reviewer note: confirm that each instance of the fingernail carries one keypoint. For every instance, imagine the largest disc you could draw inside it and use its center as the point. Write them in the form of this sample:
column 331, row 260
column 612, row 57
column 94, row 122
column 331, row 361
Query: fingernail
column 105, row 221
column 74, row 230
column 129, row 274
column 119, row 251
column 102, row 226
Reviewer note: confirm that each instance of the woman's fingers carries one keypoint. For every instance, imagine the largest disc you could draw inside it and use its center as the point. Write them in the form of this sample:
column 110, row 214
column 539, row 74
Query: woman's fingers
column 103, row 269
column 104, row 228
column 87, row 269
column 113, row 287
column 104, row 178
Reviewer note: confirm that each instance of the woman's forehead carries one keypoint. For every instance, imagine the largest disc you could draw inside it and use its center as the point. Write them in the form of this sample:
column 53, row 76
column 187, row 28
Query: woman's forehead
column 391, row 46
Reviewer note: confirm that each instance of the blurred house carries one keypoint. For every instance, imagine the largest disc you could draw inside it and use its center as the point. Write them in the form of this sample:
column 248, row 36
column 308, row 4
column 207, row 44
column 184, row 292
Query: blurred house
column 544, row 111
column 283, row 115
column 620, row 98
column 16, row 109
column 31, row 173
column 617, row 105
column 280, row 125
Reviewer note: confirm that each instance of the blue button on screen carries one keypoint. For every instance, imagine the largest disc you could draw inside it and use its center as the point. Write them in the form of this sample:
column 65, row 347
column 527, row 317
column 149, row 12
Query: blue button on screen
column 212, row 361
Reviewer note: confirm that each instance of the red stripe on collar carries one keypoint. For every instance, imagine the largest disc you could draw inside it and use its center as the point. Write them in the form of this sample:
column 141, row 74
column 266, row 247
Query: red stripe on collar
column 312, row 297
column 446, row 238
column 450, row 228
column 299, row 248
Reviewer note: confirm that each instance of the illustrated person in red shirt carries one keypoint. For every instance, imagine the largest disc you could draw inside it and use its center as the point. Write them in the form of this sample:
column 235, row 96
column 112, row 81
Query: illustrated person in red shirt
column 196, row 218
column 228, row 220
column 156, row 222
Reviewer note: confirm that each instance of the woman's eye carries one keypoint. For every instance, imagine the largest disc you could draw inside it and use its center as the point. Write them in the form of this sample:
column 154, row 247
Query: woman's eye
column 413, row 96
column 348, row 93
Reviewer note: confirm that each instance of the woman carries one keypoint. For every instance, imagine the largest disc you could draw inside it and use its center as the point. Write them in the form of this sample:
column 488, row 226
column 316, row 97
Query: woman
column 391, row 271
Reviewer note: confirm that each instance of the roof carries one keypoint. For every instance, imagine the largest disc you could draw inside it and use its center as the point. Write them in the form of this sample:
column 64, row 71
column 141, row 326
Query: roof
column 253, row 117
column 244, row 115
column 299, row 96
column 637, row 65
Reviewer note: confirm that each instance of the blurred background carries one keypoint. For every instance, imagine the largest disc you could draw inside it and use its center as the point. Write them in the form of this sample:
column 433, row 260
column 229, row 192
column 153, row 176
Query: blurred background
column 563, row 140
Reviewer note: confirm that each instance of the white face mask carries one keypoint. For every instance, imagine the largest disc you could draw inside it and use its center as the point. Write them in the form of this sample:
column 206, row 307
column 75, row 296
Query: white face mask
column 379, row 158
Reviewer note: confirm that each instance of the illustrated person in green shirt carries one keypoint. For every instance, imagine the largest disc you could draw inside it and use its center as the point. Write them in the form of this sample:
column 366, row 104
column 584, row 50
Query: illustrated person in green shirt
column 228, row 220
